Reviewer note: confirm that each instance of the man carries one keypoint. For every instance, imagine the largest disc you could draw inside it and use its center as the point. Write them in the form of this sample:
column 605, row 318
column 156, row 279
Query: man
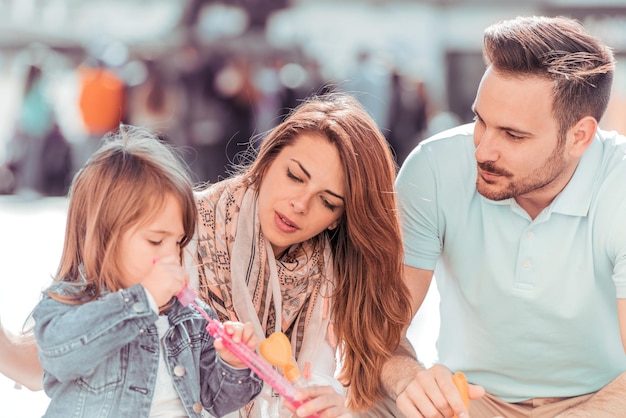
column 521, row 216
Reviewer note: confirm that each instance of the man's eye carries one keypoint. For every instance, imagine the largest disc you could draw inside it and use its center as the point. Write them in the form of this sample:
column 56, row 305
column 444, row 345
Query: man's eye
column 514, row 137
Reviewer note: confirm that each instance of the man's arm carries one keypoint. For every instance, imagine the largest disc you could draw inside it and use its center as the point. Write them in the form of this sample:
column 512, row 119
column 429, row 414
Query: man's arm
column 19, row 361
column 416, row 390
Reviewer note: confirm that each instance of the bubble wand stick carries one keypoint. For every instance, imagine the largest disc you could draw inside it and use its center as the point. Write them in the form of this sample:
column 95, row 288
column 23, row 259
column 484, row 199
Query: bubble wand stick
column 251, row 359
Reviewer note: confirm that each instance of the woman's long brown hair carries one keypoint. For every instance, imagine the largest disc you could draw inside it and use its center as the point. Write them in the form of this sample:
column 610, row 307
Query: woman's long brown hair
column 370, row 305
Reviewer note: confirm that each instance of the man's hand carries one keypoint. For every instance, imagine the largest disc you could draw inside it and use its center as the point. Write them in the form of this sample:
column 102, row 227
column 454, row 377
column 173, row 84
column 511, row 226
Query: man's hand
column 432, row 393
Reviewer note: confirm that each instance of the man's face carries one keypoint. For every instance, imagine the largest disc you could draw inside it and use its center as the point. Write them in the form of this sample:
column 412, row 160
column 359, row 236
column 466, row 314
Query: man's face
column 518, row 152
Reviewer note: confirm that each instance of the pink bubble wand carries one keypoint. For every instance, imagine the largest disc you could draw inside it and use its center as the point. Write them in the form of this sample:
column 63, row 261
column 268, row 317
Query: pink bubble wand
column 250, row 358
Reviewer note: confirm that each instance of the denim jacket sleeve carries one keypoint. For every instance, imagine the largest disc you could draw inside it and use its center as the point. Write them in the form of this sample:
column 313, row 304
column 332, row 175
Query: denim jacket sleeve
column 224, row 388
column 72, row 339
column 228, row 388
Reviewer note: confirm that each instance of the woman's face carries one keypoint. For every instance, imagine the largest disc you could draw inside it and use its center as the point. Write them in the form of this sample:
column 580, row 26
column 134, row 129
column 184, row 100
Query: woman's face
column 302, row 192
column 158, row 239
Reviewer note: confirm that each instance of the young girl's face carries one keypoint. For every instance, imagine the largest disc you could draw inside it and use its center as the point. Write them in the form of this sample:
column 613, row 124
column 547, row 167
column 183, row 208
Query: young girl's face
column 146, row 242
column 302, row 192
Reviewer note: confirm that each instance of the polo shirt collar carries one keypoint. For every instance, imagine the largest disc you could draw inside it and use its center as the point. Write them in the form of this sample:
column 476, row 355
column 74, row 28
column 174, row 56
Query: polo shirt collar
column 575, row 198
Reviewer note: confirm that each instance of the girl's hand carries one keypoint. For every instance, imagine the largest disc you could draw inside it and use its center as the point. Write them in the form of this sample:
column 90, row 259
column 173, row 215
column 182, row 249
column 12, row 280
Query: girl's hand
column 321, row 399
column 166, row 278
column 239, row 332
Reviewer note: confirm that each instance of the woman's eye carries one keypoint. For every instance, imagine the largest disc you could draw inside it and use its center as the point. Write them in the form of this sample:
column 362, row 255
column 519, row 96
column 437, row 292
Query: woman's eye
column 329, row 205
column 293, row 176
column 155, row 242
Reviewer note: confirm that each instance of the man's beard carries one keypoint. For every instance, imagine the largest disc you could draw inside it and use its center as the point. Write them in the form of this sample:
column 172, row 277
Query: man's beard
column 538, row 179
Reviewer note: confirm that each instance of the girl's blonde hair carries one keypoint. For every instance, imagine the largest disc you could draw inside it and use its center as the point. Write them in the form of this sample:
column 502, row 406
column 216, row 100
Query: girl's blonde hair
column 123, row 184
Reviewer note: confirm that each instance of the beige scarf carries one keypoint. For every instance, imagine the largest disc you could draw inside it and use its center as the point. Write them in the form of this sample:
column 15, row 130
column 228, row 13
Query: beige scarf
column 240, row 278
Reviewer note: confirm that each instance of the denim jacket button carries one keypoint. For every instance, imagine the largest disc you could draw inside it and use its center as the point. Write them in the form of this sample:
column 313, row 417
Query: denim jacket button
column 197, row 407
column 179, row 371
column 139, row 307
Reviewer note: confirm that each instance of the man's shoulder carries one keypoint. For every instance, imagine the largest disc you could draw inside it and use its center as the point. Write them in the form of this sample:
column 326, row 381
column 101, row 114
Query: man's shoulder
column 610, row 170
column 612, row 136
column 444, row 161
column 458, row 133
column 611, row 140
column 613, row 146
column 452, row 147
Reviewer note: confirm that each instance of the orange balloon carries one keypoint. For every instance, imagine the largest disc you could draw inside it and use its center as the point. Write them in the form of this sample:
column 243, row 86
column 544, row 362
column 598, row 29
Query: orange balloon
column 276, row 349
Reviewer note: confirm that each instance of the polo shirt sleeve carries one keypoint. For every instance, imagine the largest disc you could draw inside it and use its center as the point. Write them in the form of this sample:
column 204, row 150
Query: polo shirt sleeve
column 416, row 185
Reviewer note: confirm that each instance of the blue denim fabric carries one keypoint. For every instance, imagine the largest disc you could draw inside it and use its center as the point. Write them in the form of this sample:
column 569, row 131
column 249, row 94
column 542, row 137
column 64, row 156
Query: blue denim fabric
column 101, row 358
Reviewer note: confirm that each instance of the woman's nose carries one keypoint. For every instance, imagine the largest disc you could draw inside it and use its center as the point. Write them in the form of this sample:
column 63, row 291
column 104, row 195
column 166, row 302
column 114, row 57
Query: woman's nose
column 299, row 204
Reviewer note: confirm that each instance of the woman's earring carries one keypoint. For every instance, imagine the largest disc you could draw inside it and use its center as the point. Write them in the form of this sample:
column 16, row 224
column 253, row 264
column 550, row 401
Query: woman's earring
column 332, row 230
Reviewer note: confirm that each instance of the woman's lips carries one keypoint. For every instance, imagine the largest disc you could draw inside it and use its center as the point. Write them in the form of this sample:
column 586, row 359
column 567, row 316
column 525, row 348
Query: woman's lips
column 284, row 224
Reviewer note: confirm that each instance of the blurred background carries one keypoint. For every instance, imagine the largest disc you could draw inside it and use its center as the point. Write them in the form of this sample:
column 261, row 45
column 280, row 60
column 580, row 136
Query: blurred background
column 211, row 77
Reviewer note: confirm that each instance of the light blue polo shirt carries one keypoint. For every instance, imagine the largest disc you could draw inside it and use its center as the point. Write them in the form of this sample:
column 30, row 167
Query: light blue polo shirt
column 528, row 307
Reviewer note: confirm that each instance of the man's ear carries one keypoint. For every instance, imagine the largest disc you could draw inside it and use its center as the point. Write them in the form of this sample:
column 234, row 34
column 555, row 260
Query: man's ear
column 583, row 133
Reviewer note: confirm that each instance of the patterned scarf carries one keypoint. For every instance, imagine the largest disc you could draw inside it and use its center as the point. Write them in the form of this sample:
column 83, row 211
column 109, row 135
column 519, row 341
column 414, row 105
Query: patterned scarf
column 241, row 280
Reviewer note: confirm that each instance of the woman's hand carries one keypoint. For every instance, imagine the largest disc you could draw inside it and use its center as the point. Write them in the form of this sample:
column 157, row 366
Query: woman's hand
column 240, row 333
column 322, row 400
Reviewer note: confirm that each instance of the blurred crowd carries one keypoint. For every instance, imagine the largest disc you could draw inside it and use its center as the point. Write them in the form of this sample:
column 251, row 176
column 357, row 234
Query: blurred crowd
column 211, row 106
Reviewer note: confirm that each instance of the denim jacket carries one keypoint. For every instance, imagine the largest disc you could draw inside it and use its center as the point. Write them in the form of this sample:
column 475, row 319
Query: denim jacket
column 100, row 358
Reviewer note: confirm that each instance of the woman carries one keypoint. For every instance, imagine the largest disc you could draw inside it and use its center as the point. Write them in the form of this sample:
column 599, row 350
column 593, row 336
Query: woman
column 306, row 240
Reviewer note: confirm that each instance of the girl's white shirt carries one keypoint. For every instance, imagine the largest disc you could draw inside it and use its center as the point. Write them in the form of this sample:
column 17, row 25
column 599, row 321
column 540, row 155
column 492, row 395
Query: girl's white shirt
column 165, row 402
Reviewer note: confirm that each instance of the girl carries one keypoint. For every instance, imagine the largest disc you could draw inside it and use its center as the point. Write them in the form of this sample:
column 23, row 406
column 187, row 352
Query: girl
column 113, row 340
